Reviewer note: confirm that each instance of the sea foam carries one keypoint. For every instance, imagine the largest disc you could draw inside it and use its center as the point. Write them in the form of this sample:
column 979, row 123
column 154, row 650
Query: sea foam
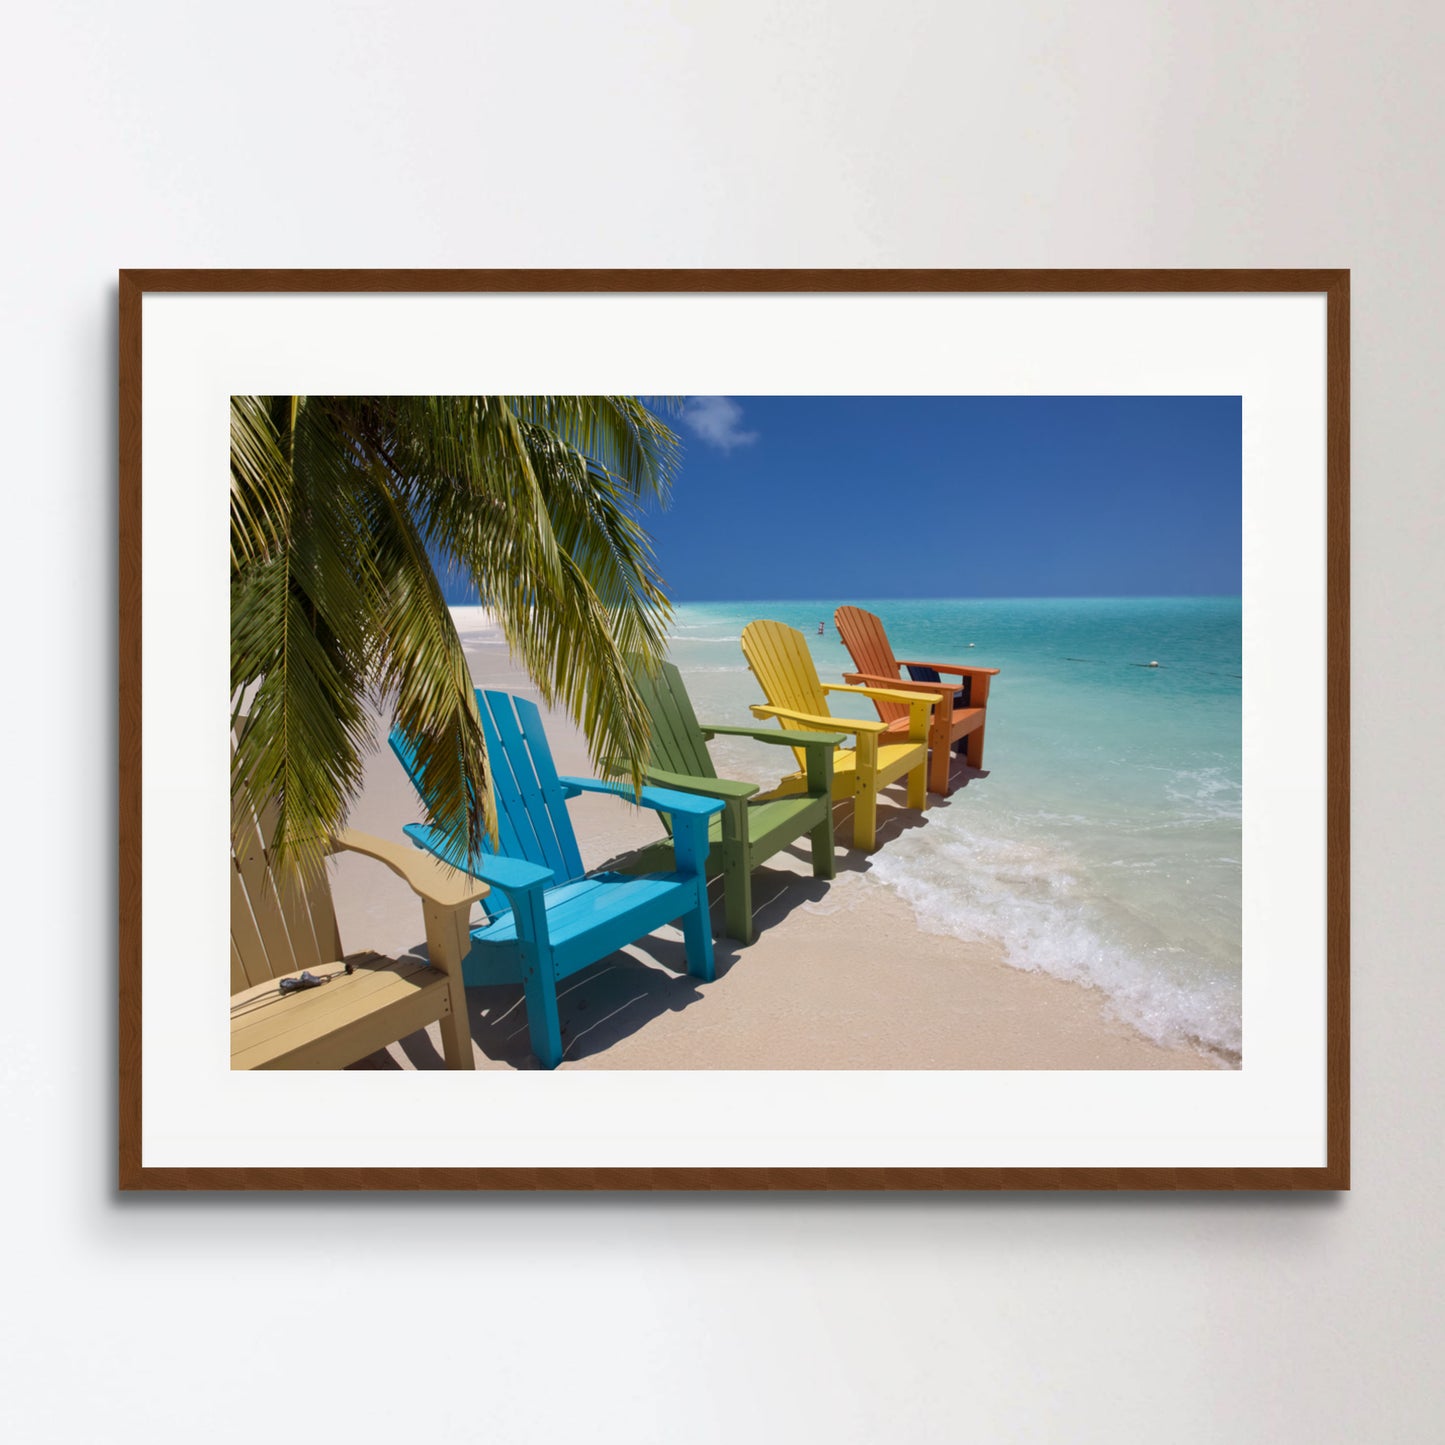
column 1050, row 913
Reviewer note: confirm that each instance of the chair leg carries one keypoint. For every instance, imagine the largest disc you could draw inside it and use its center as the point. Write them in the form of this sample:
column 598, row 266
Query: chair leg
column 938, row 760
column 975, row 746
column 865, row 794
column 697, row 936
column 544, row 1022
column 940, row 753
column 539, row 977
column 918, row 785
column 737, row 872
column 865, row 820
column 825, row 858
column 738, row 894
column 448, row 942
column 456, row 1031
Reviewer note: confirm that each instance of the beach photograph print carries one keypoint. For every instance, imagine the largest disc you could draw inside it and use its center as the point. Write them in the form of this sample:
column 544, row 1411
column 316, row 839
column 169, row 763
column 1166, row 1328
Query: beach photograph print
column 736, row 732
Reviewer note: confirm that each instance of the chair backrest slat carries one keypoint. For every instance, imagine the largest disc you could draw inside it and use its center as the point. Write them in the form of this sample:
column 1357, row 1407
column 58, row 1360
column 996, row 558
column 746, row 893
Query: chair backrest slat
column 248, row 858
column 310, row 943
column 275, row 928
column 780, row 660
column 677, row 744
column 523, row 758
column 867, row 643
column 532, row 819
column 514, row 787
column 246, row 941
column 539, row 753
column 239, row 981
column 323, row 920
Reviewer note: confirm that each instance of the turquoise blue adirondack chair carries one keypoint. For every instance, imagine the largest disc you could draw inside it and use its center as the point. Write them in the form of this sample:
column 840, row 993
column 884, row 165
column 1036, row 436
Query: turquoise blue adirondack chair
column 552, row 918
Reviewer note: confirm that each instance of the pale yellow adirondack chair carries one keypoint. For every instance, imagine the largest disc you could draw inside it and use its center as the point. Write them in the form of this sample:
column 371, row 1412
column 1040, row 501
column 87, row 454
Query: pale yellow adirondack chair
column 278, row 933
column 779, row 658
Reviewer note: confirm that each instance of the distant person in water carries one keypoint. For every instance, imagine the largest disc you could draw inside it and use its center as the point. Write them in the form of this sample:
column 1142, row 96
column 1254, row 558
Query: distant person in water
column 820, row 629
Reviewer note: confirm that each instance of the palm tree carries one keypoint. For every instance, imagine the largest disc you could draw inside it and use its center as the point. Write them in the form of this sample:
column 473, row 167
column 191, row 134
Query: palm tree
column 343, row 511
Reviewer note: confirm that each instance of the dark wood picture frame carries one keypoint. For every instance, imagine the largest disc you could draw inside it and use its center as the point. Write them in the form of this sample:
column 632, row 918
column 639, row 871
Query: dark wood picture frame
column 1334, row 1174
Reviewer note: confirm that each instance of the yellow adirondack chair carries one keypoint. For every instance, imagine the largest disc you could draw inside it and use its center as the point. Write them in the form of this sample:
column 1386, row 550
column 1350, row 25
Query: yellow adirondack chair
column 367, row 1001
column 778, row 657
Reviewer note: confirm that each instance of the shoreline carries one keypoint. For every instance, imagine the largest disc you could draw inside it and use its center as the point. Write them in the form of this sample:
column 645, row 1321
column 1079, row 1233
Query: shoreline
column 842, row 975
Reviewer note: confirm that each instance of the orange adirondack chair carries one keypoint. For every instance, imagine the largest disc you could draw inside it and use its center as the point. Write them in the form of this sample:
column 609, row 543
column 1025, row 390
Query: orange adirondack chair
column 863, row 635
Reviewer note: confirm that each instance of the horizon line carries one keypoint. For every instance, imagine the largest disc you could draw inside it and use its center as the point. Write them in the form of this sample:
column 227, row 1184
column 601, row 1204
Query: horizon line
column 991, row 597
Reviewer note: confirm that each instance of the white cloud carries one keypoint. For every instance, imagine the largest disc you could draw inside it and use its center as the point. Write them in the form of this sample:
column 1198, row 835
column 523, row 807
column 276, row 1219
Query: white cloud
column 718, row 421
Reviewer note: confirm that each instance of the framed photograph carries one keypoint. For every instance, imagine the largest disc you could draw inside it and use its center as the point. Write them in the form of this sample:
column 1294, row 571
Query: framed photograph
column 898, row 741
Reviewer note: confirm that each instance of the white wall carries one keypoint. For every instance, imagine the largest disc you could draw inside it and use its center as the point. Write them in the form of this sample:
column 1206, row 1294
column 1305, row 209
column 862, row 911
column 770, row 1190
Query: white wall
column 1022, row 134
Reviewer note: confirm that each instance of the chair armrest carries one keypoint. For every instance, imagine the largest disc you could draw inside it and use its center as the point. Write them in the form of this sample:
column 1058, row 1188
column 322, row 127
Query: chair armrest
column 956, row 671
column 888, row 684
column 793, row 737
column 843, row 724
column 511, row 875
column 431, row 880
column 723, row 788
column 920, row 705
column 688, row 811
column 662, row 800
column 884, row 694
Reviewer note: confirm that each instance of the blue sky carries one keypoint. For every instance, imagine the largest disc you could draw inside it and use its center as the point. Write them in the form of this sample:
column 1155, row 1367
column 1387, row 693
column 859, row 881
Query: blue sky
column 953, row 497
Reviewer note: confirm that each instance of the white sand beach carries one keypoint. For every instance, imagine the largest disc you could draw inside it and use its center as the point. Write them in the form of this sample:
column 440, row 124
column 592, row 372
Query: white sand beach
column 841, row 975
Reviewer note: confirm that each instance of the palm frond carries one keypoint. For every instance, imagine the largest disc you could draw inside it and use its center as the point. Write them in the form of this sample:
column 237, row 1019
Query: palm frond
column 617, row 434
column 420, row 664
column 572, row 630
column 301, row 644
column 339, row 506
column 260, row 483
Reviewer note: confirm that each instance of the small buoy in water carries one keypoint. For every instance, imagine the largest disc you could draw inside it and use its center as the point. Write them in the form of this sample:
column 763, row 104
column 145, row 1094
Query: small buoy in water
column 1153, row 664
column 973, row 644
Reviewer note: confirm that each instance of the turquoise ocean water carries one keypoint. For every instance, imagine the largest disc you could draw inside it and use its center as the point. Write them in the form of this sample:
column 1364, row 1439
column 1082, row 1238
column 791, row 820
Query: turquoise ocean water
column 1103, row 846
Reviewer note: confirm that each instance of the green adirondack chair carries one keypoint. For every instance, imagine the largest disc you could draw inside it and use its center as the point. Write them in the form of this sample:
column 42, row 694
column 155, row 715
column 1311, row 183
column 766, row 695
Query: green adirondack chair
column 749, row 830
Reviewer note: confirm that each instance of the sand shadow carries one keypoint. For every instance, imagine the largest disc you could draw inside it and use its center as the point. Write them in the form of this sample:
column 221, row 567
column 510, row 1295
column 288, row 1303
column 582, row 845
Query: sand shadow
column 617, row 997
column 623, row 993
column 895, row 818
column 960, row 775
column 598, row 1007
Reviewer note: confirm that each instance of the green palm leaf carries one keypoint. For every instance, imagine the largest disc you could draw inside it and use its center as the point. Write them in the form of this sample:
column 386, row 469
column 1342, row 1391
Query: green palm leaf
column 343, row 508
